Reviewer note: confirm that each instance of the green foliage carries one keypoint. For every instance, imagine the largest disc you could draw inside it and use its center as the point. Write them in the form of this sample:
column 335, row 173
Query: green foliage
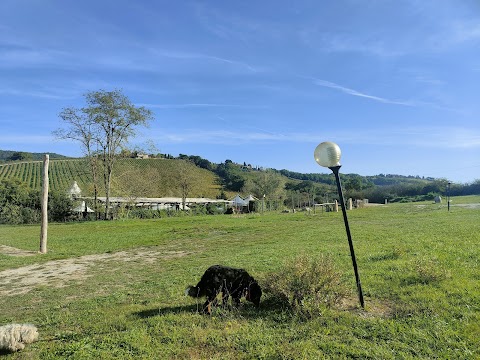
column 59, row 206
column 20, row 156
column 15, row 203
column 21, row 205
column 266, row 183
column 13, row 191
column 231, row 176
column 6, row 155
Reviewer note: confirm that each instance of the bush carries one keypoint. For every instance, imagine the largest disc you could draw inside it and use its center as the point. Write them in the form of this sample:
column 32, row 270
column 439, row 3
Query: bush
column 10, row 214
column 59, row 206
column 307, row 285
column 21, row 205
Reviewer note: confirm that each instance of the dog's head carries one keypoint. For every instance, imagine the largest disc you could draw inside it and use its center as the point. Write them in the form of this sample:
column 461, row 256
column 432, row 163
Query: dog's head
column 28, row 333
column 254, row 293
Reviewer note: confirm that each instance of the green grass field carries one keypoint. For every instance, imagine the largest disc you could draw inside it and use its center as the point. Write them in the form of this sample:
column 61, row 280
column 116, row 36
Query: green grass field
column 115, row 290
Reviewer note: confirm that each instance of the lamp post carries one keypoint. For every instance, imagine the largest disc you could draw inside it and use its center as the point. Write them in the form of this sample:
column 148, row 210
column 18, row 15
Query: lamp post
column 448, row 196
column 327, row 154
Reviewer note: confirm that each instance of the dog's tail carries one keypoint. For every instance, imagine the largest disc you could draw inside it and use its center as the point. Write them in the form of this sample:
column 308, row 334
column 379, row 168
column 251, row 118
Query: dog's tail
column 194, row 291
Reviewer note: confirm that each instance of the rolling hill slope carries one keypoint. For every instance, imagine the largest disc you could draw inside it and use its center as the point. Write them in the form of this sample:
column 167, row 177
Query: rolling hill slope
column 132, row 177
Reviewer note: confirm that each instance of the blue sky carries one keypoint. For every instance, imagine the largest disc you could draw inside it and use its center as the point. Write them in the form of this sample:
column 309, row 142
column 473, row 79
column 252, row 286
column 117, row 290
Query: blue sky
column 395, row 83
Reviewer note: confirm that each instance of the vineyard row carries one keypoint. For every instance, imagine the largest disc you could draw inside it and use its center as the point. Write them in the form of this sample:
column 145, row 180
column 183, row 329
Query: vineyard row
column 62, row 173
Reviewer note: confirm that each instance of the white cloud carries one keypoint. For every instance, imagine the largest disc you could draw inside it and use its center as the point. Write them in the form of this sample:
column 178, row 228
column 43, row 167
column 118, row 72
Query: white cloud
column 353, row 92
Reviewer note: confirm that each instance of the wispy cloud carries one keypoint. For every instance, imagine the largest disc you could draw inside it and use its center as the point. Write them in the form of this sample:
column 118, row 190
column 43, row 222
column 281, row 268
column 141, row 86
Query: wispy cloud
column 353, row 92
column 35, row 94
column 429, row 81
column 235, row 27
column 440, row 137
column 465, row 31
column 446, row 137
column 199, row 56
column 199, row 105
column 331, row 42
column 423, row 137
column 22, row 139
column 224, row 137
column 18, row 56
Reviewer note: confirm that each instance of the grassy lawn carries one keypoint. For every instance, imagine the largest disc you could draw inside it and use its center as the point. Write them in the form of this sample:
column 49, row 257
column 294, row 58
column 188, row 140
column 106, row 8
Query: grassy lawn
column 115, row 290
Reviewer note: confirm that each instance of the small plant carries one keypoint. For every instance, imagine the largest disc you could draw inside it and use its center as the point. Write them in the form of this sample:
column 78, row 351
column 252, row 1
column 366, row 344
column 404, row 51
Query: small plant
column 427, row 271
column 306, row 284
column 430, row 271
column 393, row 254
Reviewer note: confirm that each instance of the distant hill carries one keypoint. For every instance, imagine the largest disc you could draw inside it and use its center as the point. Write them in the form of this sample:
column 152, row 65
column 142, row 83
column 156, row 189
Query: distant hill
column 6, row 155
column 160, row 175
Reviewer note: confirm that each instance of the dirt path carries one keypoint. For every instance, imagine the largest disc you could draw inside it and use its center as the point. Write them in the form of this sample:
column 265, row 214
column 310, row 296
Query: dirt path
column 57, row 273
column 11, row 251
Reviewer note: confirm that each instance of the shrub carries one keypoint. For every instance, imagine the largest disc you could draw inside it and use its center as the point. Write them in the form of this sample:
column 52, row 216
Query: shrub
column 429, row 271
column 426, row 272
column 21, row 205
column 10, row 214
column 307, row 284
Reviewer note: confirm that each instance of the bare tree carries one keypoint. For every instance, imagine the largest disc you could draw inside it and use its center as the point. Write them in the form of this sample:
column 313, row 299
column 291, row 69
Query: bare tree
column 185, row 179
column 105, row 124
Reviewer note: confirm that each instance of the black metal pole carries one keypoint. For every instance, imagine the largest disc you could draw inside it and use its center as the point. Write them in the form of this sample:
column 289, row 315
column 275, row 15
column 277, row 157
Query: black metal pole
column 448, row 197
column 335, row 170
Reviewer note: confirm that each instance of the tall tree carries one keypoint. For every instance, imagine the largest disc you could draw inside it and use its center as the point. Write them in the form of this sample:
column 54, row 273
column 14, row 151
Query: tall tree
column 81, row 128
column 104, row 126
column 266, row 183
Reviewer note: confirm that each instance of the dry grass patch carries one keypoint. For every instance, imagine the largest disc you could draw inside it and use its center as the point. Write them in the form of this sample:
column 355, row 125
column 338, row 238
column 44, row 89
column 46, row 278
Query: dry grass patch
column 59, row 273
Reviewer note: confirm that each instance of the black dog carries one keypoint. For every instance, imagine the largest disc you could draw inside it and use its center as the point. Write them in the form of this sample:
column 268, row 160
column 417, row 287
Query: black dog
column 228, row 281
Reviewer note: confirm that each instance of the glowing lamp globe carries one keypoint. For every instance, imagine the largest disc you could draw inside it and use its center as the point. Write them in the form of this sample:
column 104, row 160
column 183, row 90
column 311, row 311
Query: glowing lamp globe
column 327, row 154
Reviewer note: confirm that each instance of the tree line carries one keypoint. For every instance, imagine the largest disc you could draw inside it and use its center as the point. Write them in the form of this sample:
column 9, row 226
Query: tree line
column 287, row 184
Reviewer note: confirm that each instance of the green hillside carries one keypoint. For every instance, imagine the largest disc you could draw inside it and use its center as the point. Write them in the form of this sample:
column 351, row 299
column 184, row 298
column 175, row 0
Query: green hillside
column 132, row 177
column 8, row 155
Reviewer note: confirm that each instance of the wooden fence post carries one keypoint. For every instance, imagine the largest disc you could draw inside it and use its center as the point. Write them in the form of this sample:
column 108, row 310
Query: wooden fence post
column 44, row 203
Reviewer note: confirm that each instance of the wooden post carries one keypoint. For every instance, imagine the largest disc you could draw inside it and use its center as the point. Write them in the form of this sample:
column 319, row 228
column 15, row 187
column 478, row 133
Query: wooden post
column 44, row 203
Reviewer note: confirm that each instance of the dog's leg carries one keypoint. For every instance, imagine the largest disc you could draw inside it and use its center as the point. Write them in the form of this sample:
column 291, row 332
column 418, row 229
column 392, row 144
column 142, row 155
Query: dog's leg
column 225, row 293
column 225, row 296
column 207, row 306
